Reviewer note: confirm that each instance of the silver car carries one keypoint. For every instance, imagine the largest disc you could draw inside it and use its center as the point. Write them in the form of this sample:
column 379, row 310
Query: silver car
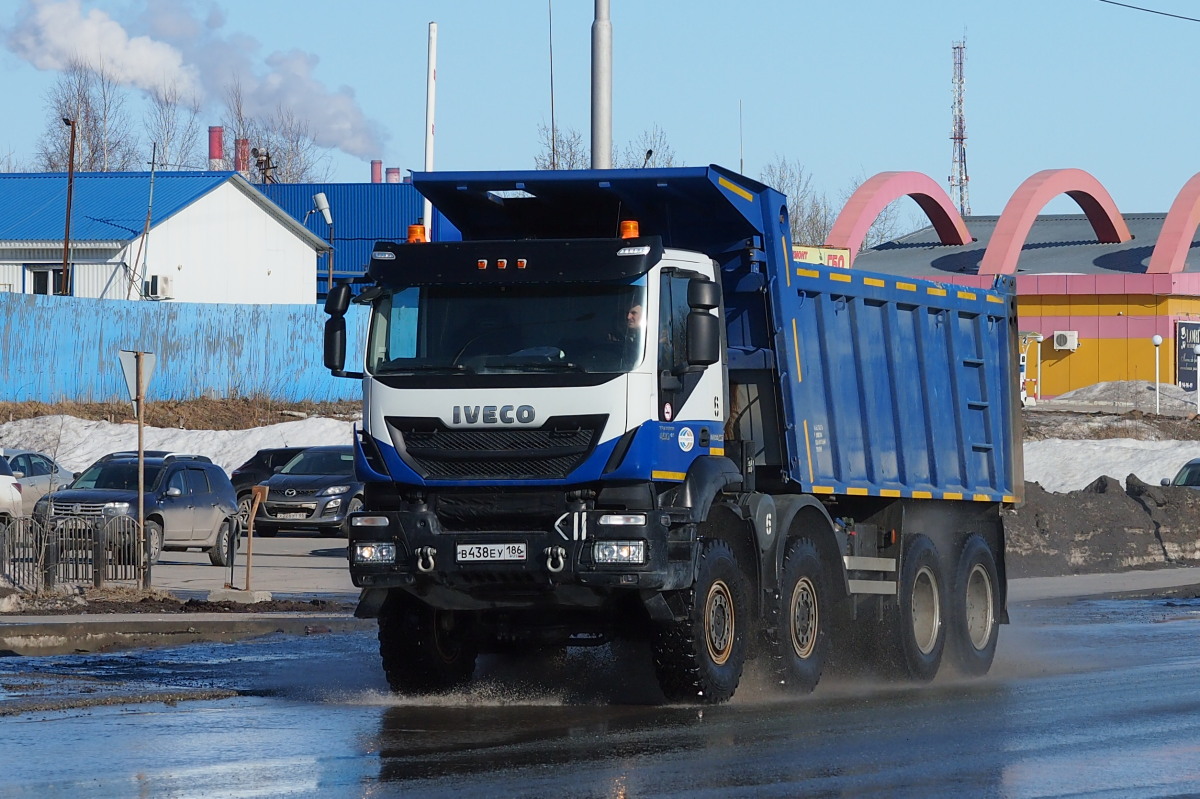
column 37, row 474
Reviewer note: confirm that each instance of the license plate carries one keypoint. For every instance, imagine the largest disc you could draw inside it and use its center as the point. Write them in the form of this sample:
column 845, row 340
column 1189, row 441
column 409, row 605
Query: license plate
column 490, row 552
column 291, row 515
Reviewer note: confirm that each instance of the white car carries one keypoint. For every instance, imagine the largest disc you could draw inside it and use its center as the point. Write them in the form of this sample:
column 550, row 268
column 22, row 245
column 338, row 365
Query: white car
column 37, row 474
column 10, row 494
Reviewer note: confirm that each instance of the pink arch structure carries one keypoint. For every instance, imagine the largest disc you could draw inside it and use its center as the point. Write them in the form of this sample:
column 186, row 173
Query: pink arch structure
column 865, row 205
column 1175, row 238
column 1031, row 197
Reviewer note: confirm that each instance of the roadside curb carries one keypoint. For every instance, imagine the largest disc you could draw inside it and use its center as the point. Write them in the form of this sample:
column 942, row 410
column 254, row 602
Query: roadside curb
column 57, row 635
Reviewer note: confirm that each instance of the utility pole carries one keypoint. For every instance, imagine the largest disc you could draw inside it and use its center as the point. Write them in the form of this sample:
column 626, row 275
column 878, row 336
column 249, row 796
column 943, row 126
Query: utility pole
column 958, row 134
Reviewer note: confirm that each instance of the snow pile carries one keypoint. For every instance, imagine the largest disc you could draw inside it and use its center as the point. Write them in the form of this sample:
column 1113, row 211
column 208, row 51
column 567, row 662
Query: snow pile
column 77, row 443
column 1061, row 465
column 1135, row 394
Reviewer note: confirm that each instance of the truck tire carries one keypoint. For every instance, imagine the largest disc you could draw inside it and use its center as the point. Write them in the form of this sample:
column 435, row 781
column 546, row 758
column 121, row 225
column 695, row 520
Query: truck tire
column 918, row 628
column 699, row 658
column 804, row 618
column 973, row 625
column 424, row 649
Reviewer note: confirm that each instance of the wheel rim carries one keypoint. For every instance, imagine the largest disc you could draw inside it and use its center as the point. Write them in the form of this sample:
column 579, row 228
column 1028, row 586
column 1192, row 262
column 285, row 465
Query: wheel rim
column 980, row 609
column 718, row 622
column 926, row 611
column 446, row 639
column 244, row 511
column 804, row 618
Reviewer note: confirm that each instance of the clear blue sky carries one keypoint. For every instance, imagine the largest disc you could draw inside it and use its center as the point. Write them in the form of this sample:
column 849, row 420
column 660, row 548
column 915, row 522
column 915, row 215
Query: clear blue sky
column 848, row 88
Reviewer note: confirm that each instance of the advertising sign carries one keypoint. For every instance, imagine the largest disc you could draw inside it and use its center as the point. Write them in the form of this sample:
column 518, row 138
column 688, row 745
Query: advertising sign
column 1187, row 336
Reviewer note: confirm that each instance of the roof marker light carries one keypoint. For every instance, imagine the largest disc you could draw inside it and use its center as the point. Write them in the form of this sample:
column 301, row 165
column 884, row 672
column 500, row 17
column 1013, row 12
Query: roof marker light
column 629, row 229
column 502, row 263
column 481, row 263
column 521, row 263
column 416, row 234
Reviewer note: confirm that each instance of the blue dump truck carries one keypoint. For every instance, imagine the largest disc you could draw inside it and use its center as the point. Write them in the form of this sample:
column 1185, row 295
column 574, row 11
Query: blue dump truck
column 617, row 408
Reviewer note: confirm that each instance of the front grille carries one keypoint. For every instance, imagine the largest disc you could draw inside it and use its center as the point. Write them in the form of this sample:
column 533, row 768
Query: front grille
column 296, row 492
column 59, row 509
column 548, row 452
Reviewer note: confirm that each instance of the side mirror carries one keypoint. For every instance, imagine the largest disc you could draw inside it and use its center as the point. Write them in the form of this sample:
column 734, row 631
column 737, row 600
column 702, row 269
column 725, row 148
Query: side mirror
column 335, row 344
column 703, row 338
column 18, row 475
column 174, row 492
column 703, row 294
column 1166, row 481
column 337, row 301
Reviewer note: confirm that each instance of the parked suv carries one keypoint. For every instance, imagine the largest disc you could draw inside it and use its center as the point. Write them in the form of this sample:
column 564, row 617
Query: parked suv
column 37, row 474
column 10, row 494
column 316, row 490
column 189, row 502
column 264, row 464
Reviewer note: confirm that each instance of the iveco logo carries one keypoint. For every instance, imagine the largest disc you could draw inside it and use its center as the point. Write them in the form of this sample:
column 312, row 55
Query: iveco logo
column 493, row 414
column 291, row 492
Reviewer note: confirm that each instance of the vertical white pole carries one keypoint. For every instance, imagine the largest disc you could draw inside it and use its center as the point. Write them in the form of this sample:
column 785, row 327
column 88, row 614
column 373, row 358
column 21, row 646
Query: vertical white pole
column 430, row 101
column 1156, row 340
column 1039, row 370
column 602, row 88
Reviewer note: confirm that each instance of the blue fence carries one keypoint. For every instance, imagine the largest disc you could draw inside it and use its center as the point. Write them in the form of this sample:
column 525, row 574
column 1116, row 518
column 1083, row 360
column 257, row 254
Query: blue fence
column 65, row 348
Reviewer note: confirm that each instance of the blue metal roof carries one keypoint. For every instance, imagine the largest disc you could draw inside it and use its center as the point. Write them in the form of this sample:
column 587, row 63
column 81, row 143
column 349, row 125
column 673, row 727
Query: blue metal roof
column 363, row 213
column 105, row 206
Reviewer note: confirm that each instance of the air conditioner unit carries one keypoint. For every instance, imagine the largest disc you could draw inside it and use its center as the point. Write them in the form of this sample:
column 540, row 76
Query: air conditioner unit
column 1066, row 340
column 157, row 287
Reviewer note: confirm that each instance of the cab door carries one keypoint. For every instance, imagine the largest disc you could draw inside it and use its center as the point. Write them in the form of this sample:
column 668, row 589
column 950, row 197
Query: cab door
column 206, row 508
column 177, row 507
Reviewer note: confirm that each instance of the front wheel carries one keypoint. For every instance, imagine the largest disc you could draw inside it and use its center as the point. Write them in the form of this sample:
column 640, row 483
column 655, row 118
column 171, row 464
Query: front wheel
column 973, row 609
column 803, row 618
column 699, row 658
column 356, row 504
column 154, row 533
column 425, row 649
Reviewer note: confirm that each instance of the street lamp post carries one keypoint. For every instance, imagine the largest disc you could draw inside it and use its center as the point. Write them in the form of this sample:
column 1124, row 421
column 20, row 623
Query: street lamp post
column 64, row 285
column 1156, row 340
column 321, row 204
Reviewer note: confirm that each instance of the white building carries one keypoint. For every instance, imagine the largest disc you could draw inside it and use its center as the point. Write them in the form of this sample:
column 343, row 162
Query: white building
column 206, row 237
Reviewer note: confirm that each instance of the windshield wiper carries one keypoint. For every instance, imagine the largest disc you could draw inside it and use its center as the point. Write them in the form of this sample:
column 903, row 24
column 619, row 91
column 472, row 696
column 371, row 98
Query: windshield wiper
column 539, row 366
column 395, row 368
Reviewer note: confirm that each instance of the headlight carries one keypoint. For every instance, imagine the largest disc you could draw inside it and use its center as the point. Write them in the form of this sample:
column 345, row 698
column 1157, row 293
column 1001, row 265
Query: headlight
column 116, row 509
column 41, row 507
column 333, row 490
column 333, row 504
column 619, row 552
column 374, row 552
column 624, row 519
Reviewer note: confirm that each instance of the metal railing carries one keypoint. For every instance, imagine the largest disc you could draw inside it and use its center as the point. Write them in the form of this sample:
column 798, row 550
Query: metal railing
column 76, row 551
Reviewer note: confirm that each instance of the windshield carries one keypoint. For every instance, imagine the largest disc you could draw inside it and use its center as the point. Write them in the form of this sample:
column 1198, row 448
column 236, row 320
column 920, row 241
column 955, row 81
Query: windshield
column 508, row 329
column 120, row 475
column 321, row 462
column 1189, row 475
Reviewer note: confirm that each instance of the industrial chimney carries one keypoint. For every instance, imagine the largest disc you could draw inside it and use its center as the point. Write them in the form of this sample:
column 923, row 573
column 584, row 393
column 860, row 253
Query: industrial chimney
column 216, row 148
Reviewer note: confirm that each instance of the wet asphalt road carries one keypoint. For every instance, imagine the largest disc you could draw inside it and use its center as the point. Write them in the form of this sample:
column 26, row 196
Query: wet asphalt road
column 1087, row 698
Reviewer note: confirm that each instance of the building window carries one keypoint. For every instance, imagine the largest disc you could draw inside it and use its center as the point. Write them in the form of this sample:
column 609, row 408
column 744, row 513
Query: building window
column 44, row 280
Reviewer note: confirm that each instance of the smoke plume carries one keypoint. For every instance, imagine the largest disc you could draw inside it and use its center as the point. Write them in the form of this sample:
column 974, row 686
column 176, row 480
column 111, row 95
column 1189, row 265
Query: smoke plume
column 185, row 44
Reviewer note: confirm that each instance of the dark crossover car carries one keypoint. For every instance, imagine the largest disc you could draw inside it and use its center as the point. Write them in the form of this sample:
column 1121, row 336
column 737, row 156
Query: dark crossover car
column 254, row 471
column 1188, row 475
column 315, row 490
column 189, row 503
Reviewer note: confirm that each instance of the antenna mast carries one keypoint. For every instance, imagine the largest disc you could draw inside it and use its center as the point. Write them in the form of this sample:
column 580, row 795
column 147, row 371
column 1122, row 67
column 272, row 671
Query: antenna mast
column 958, row 135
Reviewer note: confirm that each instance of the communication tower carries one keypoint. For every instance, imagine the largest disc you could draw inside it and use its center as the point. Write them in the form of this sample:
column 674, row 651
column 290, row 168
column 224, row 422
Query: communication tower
column 958, row 135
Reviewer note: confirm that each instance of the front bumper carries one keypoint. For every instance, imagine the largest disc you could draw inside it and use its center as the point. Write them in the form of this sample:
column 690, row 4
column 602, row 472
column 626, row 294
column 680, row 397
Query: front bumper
column 303, row 513
column 558, row 566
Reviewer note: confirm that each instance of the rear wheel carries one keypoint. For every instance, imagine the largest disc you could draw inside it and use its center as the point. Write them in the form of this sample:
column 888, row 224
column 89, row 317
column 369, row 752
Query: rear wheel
column 221, row 553
column 918, row 631
column 973, row 609
column 700, row 657
column 154, row 533
column 425, row 649
column 803, row 618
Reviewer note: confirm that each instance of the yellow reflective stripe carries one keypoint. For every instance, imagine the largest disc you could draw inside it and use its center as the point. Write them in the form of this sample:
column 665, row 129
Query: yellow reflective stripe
column 808, row 447
column 952, row 495
column 736, row 189
column 936, row 292
column 716, row 450
column 796, row 349
column 840, row 277
column 907, row 286
column 889, row 492
column 857, row 492
column 966, row 295
column 994, row 298
column 922, row 495
column 872, row 281
column 808, row 273
column 822, row 489
column 667, row 475
column 981, row 497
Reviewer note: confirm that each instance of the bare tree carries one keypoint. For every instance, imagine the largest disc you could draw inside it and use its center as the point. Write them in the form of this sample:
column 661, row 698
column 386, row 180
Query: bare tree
column 173, row 123
column 104, row 139
column 809, row 213
column 650, row 149
column 565, row 150
column 288, row 150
